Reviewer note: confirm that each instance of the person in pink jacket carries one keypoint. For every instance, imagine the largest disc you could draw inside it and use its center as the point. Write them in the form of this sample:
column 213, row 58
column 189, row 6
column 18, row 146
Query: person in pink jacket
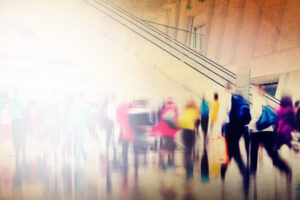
column 127, row 135
column 167, row 115
column 166, row 129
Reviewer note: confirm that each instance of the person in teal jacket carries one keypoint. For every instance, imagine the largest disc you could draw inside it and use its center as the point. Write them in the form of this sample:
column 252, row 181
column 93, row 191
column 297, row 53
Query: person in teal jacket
column 204, row 110
column 18, row 124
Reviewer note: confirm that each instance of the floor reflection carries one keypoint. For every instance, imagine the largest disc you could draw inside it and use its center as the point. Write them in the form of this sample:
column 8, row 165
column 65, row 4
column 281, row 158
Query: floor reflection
column 179, row 175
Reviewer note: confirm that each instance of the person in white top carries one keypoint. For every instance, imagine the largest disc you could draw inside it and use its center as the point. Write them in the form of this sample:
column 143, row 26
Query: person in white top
column 258, row 101
column 267, row 136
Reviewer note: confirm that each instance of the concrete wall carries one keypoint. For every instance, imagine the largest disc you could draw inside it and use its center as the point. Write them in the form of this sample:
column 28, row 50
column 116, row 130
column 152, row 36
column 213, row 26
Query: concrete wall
column 289, row 85
column 261, row 34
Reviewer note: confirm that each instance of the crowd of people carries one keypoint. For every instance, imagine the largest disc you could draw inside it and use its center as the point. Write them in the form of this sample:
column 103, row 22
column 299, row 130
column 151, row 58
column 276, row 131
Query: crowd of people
column 65, row 126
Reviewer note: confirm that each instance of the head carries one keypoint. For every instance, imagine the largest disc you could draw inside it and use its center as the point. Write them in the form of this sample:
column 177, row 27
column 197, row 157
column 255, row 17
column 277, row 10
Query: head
column 229, row 87
column 169, row 99
column 216, row 96
column 286, row 101
column 191, row 103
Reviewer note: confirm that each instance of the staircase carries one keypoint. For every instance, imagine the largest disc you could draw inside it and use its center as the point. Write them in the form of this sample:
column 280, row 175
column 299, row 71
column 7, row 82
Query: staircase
column 191, row 58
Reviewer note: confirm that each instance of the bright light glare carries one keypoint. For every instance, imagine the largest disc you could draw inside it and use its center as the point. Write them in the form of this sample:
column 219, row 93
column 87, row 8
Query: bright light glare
column 50, row 46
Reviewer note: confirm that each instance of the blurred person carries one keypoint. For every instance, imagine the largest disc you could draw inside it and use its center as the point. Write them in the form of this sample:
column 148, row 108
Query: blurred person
column 187, row 123
column 106, row 120
column 41, row 109
column 189, row 166
column 286, row 121
column 32, row 118
column 108, row 175
column 126, row 135
column 139, row 119
column 93, row 121
column 51, row 125
column 226, row 106
column 239, row 117
column 18, row 124
column 67, row 127
column 80, row 115
column 214, row 107
column 204, row 110
column 266, row 136
column 166, row 128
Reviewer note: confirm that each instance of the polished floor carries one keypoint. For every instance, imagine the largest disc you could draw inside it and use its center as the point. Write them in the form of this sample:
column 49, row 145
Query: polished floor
column 40, row 174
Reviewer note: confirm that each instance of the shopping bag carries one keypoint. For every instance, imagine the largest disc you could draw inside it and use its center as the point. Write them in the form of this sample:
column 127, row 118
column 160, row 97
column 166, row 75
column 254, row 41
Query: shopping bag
column 218, row 150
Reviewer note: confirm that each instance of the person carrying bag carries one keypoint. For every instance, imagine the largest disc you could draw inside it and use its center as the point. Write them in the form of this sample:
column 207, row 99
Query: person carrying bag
column 262, row 132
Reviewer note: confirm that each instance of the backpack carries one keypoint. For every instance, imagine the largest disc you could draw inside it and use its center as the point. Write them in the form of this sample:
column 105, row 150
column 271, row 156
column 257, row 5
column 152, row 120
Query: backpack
column 267, row 118
column 240, row 110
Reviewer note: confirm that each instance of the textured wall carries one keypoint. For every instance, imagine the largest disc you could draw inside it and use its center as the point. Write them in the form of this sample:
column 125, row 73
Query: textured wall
column 261, row 34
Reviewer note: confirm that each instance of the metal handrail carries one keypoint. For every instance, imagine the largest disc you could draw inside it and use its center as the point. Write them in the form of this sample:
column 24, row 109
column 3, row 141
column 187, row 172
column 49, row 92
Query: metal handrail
column 181, row 45
column 140, row 21
column 193, row 67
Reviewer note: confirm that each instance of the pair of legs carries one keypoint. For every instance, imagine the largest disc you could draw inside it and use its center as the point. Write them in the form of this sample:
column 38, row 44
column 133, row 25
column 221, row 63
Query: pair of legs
column 204, row 127
column 188, row 137
column 19, row 136
column 137, row 148
column 109, row 130
column 81, row 134
column 233, row 152
column 269, row 140
column 233, row 135
column 168, row 147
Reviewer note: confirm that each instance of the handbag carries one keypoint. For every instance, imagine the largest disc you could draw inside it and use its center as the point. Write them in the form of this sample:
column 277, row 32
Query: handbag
column 267, row 118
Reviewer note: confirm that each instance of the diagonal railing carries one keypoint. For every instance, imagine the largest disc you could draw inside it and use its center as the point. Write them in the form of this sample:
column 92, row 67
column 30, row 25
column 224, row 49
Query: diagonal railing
column 221, row 77
column 174, row 41
column 185, row 54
